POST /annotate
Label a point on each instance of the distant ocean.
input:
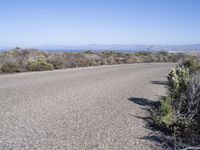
(76, 51)
(118, 48)
(69, 51)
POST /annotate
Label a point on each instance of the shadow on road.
(143, 101)
(160, 82)
(158, 135)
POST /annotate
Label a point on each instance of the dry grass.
(61, 60)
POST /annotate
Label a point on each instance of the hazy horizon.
(116, 47)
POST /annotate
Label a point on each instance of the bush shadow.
(158, 135)
(144, 102)
(160, 82)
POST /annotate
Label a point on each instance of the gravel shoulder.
(81, 108)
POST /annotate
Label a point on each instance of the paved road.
(82, 108)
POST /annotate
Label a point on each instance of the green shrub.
(9, 67)
(88, 52)
(164, 114)
(164, 53)
(39, 65)
(143, 53)
(192, 63)
(178, 80)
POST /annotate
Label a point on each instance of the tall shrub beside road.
(179, 112)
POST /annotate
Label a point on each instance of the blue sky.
(77, 22)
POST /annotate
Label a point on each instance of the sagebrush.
(179, 111)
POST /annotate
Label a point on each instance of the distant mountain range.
(118, 47)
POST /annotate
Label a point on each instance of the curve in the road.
(83, 108)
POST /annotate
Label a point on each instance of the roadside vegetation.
(22, 60)
(179, 112)
(39, 65)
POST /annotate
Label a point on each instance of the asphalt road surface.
(81, 109)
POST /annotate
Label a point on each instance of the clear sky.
(77, 22)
